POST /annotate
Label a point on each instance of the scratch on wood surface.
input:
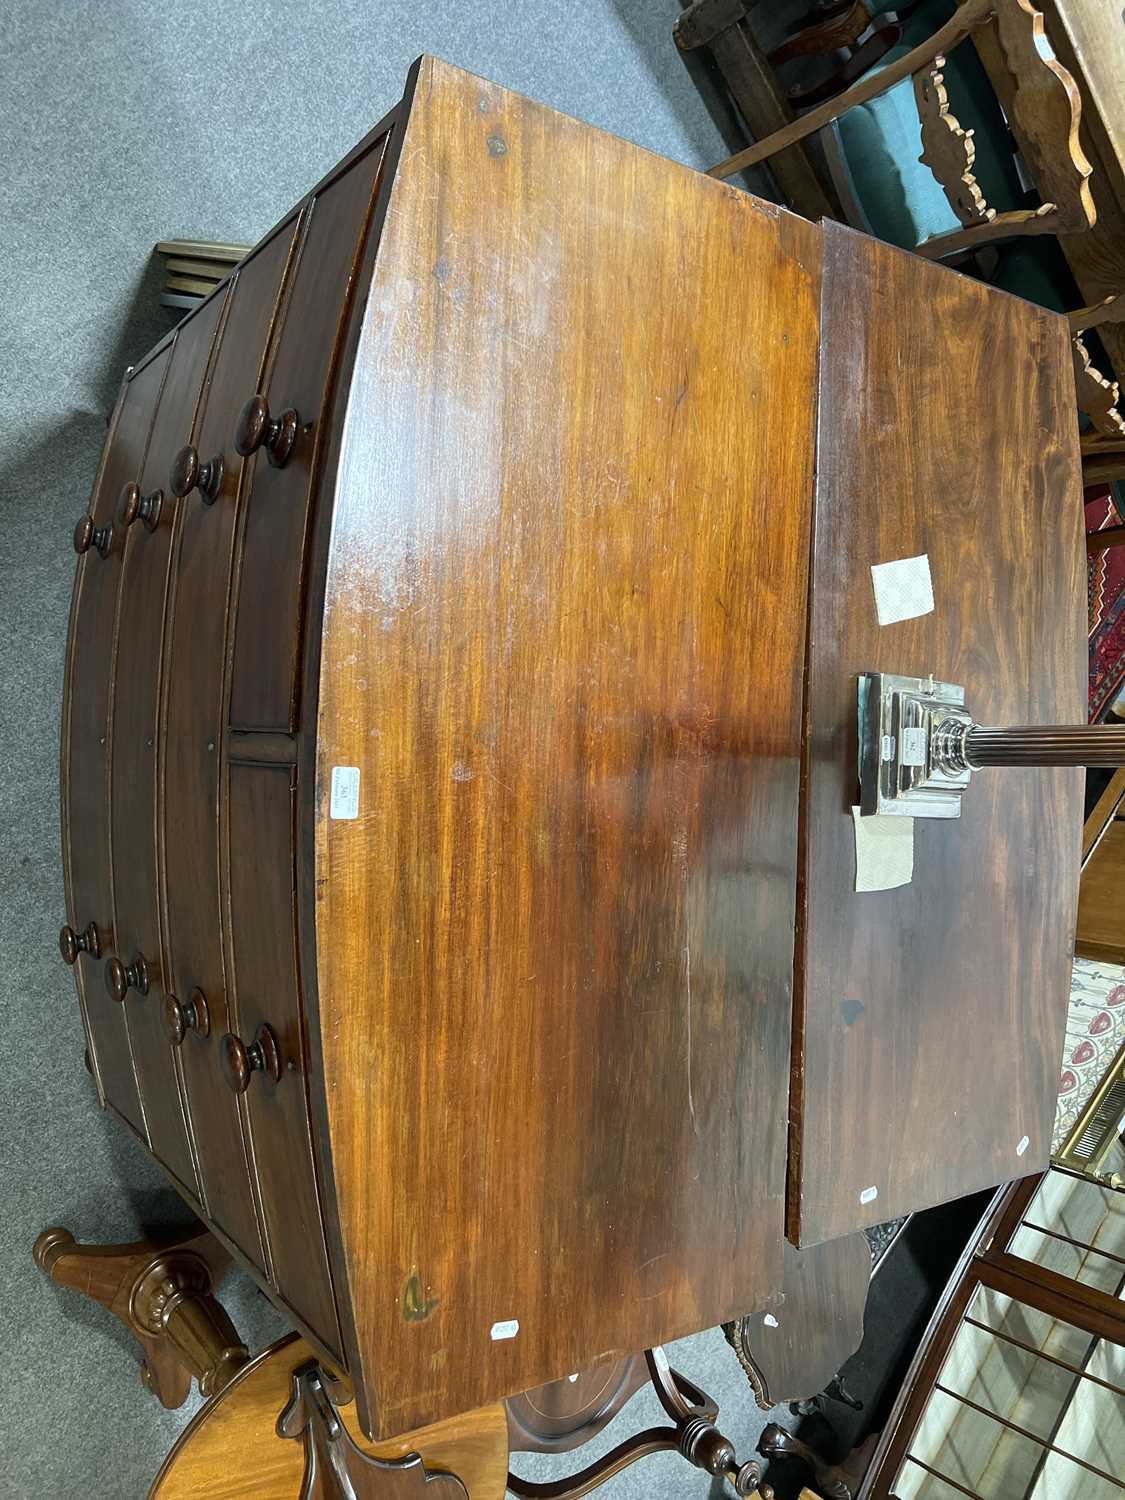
(690, 1099)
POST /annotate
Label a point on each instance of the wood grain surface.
(231, 1450)
(792, 1349)
(265, 689)
(199, 609)
(84, 761)
(132, 781)
(563, 648)
(265, 989)
(929, 1019)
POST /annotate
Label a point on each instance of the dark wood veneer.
(514, 528)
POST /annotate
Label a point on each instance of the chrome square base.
(900, 772)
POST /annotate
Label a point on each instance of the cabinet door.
(85, 811)
(265, 991)
(264, 692)
(191, 743)
(133, 737)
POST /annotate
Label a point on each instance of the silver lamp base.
(910, 731)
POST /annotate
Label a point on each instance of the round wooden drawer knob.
(72, 943)
(189, 474)
(257, 429)
(133, 506)
(87, 535)
(240, 1062)
(180, 1019)
(121, 978)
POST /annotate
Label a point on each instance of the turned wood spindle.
(72, 943)
(121, 978)
(240, 1062)
(179, 1018)
(133, 506)
(257, 429)
(189, 474)
(87, 535)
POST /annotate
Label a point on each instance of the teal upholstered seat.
(881, 143)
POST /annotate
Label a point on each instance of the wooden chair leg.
(162, 1290)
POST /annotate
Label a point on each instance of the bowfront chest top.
(444, 902)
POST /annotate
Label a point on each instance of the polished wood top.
(929, 1018)
(231, 1451)
(563, 647)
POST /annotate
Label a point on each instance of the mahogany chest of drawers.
(432, 742)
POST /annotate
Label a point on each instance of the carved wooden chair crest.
(1098, 397)
(1045, 106)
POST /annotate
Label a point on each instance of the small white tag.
(1025, 1142)
(506, 1330)
(770, 1321)
(572, 1378)
(344, 802)
(888, 747)
(869, 1195)
(914, 746)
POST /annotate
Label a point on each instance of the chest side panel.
(559, 731)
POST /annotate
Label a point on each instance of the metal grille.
(1027, 1406)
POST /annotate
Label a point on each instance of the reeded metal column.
(1045, 745)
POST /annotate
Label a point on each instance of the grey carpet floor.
(121, 123)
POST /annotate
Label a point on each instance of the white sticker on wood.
(344, 800)
(904, 589)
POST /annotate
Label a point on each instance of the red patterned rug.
(1105, 587)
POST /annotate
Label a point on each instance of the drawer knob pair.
(72, 943)
(189, 474)
(240, 1062)
(257, 429)
(87, 535)
(179, 1019)
(133, 506)
(121, 978)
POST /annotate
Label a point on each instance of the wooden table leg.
(162, 1289)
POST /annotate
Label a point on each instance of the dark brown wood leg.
(162, 1289)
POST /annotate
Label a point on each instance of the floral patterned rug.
(1095, 1031)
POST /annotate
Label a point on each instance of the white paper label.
(770, 1321)
(914, 746)
(1025, 1142)
(904, 589)
(506, 1330)
(344, 802)
(869, 1195)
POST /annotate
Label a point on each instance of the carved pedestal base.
(694, 1435)
(162, 1290)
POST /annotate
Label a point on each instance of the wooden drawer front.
(267, 642)
(85, 811)
(191, 743)
(133, 718)
(263, 927)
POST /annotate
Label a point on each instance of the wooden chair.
(1098, 396)
(1045, 106)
